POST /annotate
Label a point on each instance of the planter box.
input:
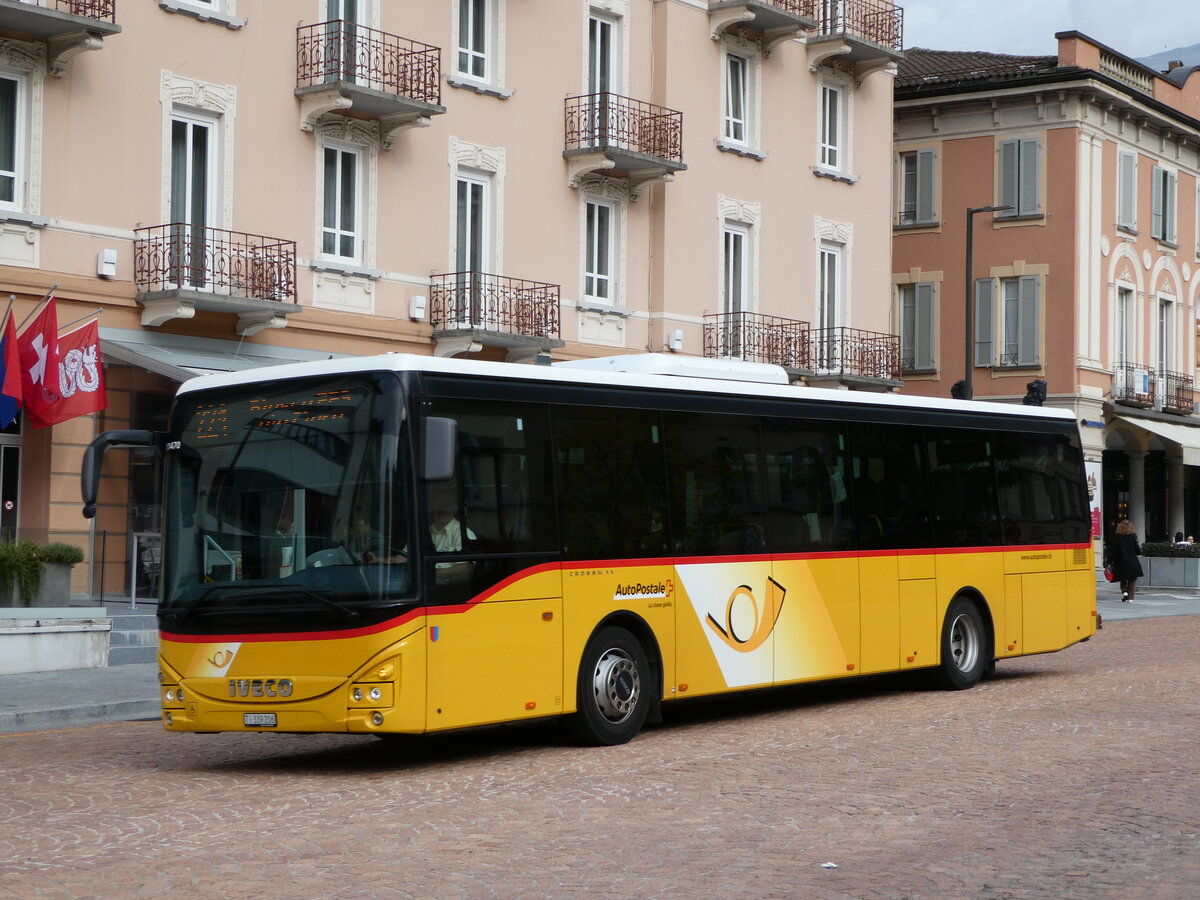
(1171, 571)
(54, 591)
(61, 639)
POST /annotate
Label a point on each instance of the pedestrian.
(1123, 557)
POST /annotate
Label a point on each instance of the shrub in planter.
(22, 564)
(1165, 548)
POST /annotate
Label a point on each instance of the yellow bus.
(403, 545)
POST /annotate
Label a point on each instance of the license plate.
(259, 720)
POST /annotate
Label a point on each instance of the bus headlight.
(172, 696)
(367, 696)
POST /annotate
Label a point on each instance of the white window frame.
(918, 200)
(736, 124)
(1164, 335)
(483, 54)
(219, 12)
(1020, 177)
(917, 326)
(1164, 205)
(1127, 171)
(482, 181)
(600, 282)
(1123, 306)
(19, 172)
(1018, 316)
(736, 293)
(340, 229)
(830, 289)
(833, 144)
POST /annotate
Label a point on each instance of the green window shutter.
(985, 303)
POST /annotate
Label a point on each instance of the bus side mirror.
(93, 458)
(440, 448)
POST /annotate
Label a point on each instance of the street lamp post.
(968, 392)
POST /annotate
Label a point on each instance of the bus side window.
(611, 471)
(891, 507)
(717, 497)
(962, 488)
(1038, 477)
(806, 485)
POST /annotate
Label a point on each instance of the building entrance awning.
(180, 357)
(1186, 436)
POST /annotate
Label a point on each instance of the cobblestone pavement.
(1072, 775)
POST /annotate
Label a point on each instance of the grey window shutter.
(925, 177)
(1027, 346)
(985, 290)
(1030, 199)
(1171, 193)
(1008, 177)
(923, 337)
(1126, 187)
(1156, 204)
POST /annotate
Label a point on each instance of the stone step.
(128, 656)
(133, 639)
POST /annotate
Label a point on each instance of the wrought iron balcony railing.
(1135, 384)
(181, 257)
(609, 121)
(754, 337)
(1178, 393)
(495, 303)
(341, 51)
(846, 351)
(877, 21)
(100, 10)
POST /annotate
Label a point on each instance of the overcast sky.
(1028, 26)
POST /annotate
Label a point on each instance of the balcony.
(1146, 388)
(850, 357)
(69, 27)
(473, 310)
(180, 268)
(623, 137)
(776, 20)
(757, 338)
(343, 67)
(866, 33)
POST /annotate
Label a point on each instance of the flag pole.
(47, 296)
(94, 312)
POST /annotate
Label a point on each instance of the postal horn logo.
(221, 658)
(748, 623)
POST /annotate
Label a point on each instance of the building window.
(832, 129)
(1020, 324)
(916, 188)
(600, 226)
(1020, 177)
(737, 98)
(340, 227)
(829, 313)
(12, 94)
(1127, 191)
(1163, 205)
(471, 224)
(735, 293)
(474, 31)
(1121, 326)
(1163, 334)
(916, 327)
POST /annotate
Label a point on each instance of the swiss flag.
(80, 376)
(37, 347)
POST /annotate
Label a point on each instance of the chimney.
(1174, 64)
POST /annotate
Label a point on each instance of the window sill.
(599, 306)
(913, 226)
(922, 372)
(479, 87)
(1126, 229)
(1027, 367)
(834, 175)
(739, 149)
(344, 268)
(1167, 245)
(1028, 217)
(204, 14)
(23, 218)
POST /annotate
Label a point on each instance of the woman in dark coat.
(1123, 557)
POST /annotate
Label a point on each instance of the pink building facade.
(524, 180)
(1087, 278)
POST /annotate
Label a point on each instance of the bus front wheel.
(964, 654)
(613, 689)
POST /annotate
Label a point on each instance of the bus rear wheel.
(964, 655)
(613, 689)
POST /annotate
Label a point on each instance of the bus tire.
(613, 689)
(964, 656)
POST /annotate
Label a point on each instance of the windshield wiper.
(193, 605)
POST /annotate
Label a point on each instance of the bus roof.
(638, 371)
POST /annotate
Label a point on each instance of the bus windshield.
(290, 507)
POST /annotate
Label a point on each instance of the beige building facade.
(240, 182)
(1079, 173)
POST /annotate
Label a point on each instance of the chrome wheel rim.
(616, 685)
(964, 643)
